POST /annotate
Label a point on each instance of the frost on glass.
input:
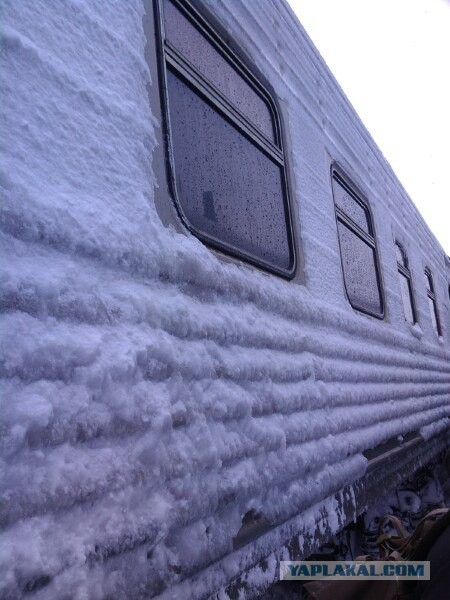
(405, 286)
(434, 321)
(351, 207)
(228, 189)
(193, 45)
(360, 272)
(400, 256)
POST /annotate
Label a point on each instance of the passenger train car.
(225, 324)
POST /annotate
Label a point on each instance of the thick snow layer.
(429, 431)
(152, 393)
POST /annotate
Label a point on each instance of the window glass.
(357, 245)
(405, 286)
(434, 320)
(351, 207)
(203, 55)
(228, 179)
(360, 273)
(400, 256)
(432, 301)
(228, 188)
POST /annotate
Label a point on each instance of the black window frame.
(201, 18)
(403, 269)
(339, 175)
(432, 296)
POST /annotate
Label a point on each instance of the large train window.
(405, 284)
(432, 301)
(358, 249)
(226, 160)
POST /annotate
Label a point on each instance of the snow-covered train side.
(177, 414)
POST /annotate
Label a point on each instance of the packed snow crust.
(152, 392)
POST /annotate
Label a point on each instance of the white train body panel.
(154, 390)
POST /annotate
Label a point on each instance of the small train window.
(358, 249)
(432, 301)
(405, 284)
(224, 143)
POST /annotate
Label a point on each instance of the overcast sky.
(392, 59)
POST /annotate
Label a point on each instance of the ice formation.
(153, 393)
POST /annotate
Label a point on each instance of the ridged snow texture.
(152, 394)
